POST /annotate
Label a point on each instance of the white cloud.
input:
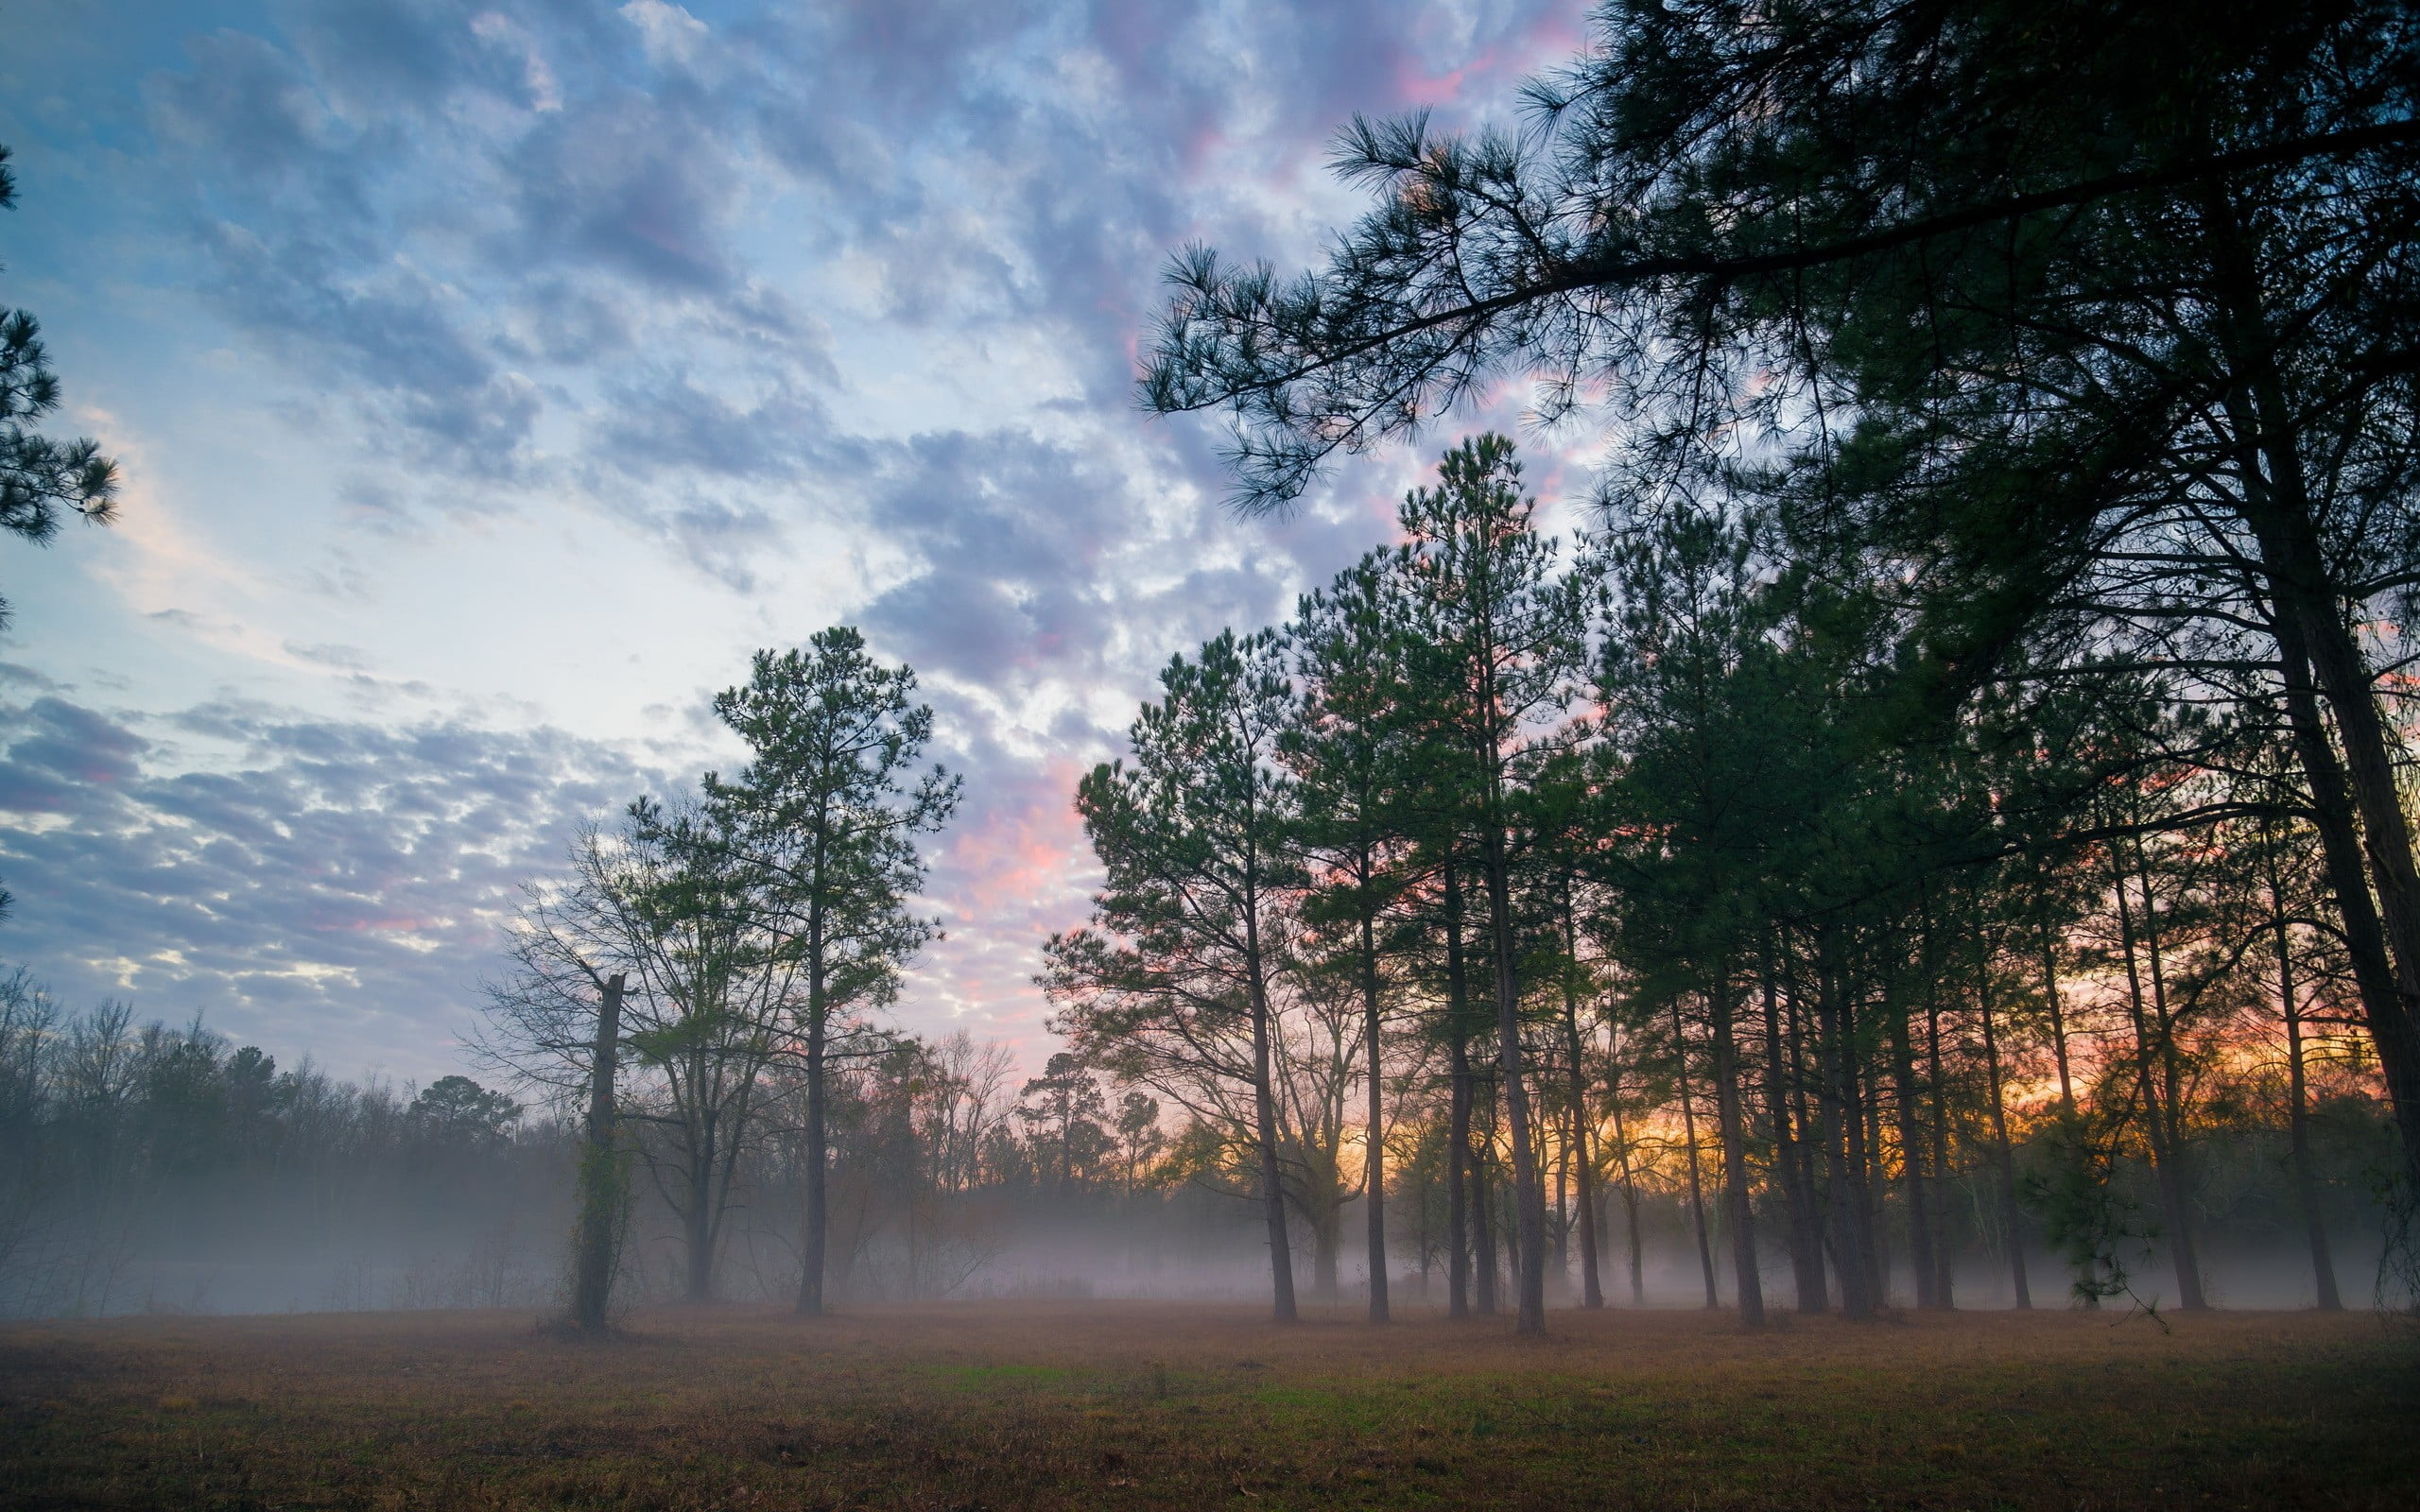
(672, 35)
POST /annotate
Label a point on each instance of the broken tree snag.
(600, 1174)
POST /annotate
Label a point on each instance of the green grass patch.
(1149, 1406)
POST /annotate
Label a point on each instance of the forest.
(1591, 885)
(1928, 831)
(1648, 941)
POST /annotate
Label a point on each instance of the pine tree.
(1175, 983)
(825, 819)
(2089, 319)
(41, 480)
(1347, 753)
(1498, 641)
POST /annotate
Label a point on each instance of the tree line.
(157, 1167)
(2003, 565)
(160, 1168)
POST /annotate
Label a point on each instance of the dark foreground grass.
(1007, 1407)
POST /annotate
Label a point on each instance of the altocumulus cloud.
(296, 882)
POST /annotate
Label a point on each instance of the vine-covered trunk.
(1272, 1183)
(597, 1236)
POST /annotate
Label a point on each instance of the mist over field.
(218, 1183)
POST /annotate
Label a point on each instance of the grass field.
(1012, 1405)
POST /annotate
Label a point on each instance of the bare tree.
(659, 903)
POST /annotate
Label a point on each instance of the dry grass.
(1165, 1406)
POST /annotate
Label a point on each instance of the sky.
(489, 380)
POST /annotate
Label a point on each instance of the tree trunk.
(1458, 1151)
(1944, 1287)
(1865, 1160)
(2180, 1154)
(1327, 1242)
(600, 1186)
(1911, 1152)
(2393, 1026)
(1529, 1191)
(1629, 1189)
(1735, 1155)
(1807, 1218)
(1373, 1165)
(1483, 1267)
(1559, 1208)
(2058, 1019)
(1690, 1136)
(1583, 1166)
(1843, 1160)
(698, 1221)
(814, 1249)
(2004, 1156)
(1272, 1185)
(2155, 1125)
(2313, 637)
(2322, 1265)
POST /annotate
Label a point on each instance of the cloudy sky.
(490, 379)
